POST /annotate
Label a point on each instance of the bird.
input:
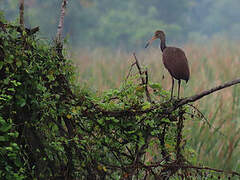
(174, 60)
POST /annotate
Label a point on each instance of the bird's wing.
(175, 61)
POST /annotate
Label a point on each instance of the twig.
(146, 75)
(139, 68)
(130, 70)
(144, 82)
(159, 163)
(60, 25)
(206, 120)
(201, 114)
(146, 88)
(21, 11)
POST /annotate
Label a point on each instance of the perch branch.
(205, 93)
(203, 168)
(60, 25)
(21, 11)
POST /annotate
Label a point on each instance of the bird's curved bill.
(150, 41)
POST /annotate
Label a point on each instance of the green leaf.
(166, 120)
(5, 127)
(4, 138)
(100, 121)
(10, 59)
(15, 83)
(11, 89)
(115, 120)
(19, 63)
(21, 102)
(155, 86)
(51, 77)
(1, 64)
(146, 105)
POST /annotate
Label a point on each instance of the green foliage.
(32, 81)
(11, 166)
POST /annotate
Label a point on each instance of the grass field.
(210, 65)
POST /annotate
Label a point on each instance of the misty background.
(129, 24)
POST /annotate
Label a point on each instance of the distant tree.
(115, 23)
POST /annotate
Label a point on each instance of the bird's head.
(157, 35)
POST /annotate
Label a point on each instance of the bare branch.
(60, 25)
(203, 168)
(21, 11)
(143, 80)
(207, 92)
(130, 70)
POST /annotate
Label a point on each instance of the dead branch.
(60, 25)
(144, 82)
(203, 168)
(205, 93)
(21, 11)
(130, 70)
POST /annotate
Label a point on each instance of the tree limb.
(202, 168)
(21, 11)
(207, 92)
(60, 25)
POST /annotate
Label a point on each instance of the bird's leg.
(179, 82)
(172, 88)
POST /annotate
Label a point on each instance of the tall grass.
(210, 65)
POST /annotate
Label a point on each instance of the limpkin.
(174, 60)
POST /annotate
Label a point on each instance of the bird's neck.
(162, 44)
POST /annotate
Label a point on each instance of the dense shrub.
(34, 93)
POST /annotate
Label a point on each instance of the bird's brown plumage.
(174, 60)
